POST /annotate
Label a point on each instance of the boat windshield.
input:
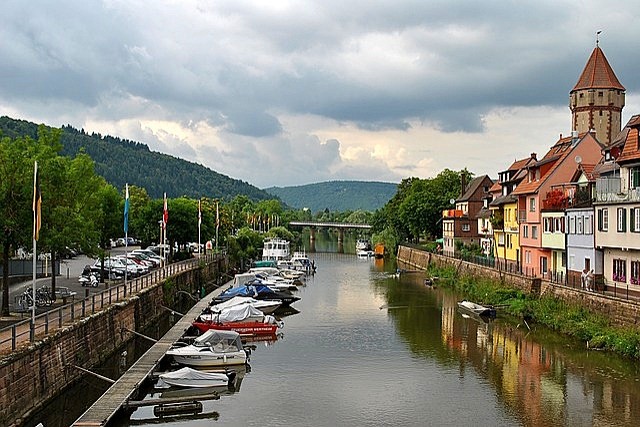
(219, 340)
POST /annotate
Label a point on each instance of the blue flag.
(126, 209)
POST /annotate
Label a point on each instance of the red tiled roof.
(519, 164)
(554, 157)
(598, 73)
(631, 150)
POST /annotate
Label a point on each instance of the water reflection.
(541, 378)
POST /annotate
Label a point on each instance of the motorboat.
(244, 319)
(476, 309)
(189, 377)
(212, 348)
(300, 261)
(265, 305)
(257, 291)
(361, 253)
(363, 245)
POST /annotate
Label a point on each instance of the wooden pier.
(105, 408)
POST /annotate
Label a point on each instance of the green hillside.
(122, 161)
(337, 195)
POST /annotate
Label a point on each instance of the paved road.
(70, 270)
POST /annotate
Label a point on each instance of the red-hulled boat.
(243, 328)
(244, 319)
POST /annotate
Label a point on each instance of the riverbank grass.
(571, 320)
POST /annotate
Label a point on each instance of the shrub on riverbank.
(572, 320)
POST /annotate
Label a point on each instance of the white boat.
(237, 313)
(363, 245)
(212, 348)
(266, 306)
(276, 249)
(477, 309)
(189, 377)
(364, 254)
(301, 262)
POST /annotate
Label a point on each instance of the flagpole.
(126, 234)
(35, 231)
(199, 226)
(217, 225)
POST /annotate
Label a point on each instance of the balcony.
(609, 190)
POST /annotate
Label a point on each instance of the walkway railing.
(24, 331)
(615, 289)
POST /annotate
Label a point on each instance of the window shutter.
(624, 219)
(599, 219)
(632, 220)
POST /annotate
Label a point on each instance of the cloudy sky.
(294, 92)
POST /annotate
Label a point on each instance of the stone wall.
(620, 312)
(31, 376)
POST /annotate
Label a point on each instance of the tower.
(597, 99)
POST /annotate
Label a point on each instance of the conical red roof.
(598, 74)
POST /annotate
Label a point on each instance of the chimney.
(463, 184)
(534, 157)
(574, 137)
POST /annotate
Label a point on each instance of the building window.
(572, 225)
(466, 227)
(635, 273)
(634, 224)
(525, 231)
(603, 219)
(620, 270)
(548, 225)
(634, 177)
(622, 220)
(588, 224)
(532, 204)
(534, 231)
(559, 225)
(579, 228)
(501, 239)
(527, 257)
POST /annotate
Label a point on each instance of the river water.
(370, 349)
(367, 348)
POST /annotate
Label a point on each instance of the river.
(369, 349)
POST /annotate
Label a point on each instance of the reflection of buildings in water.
(535, 380)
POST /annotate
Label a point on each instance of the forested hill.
(122, 161)
(337, 195)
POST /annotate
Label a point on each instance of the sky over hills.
(286, 93)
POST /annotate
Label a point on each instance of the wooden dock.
(102, 411)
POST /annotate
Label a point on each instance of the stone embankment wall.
(620, 312)
(33, 375)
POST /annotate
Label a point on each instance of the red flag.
(165, 212)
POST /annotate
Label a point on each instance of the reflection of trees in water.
(544, 378)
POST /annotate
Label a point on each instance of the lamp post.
(160, 244)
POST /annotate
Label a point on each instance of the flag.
(165, 212)
(199, 213)
(37, 203)
(126, 209)
(217, 216)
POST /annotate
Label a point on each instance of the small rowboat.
(477, 309)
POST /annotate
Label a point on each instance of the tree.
(16, 196)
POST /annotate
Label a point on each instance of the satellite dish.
(578, 159)
(452, 201)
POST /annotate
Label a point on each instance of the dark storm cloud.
(241, 66)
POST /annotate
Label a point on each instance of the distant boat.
(363, 245)
(476, 309)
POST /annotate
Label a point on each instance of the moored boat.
(257, 292)
(266, 306)
(189, 377)
(212, 348)
(476, 309)
(244, 319)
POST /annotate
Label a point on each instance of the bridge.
(340, 226)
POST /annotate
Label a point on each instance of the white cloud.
(283, 92)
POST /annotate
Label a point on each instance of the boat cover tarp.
(235, 313)
(213, 337)
(240, 300)
(187, 373)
